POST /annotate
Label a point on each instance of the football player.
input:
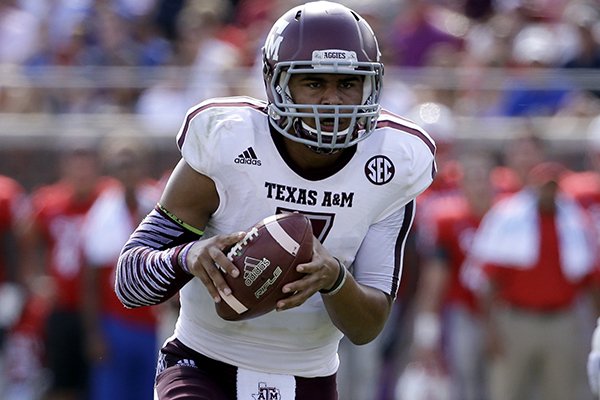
(53, 267)
(321, 145)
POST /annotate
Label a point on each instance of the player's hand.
(593, 364)
(207, 261)
(321, 273)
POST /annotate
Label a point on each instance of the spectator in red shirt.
(520, 154)
(536, 251)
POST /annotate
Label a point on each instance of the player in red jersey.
(439, 121)
(54, 232)
(121, 343)
(448, 336)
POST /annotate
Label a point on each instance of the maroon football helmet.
(323, 38)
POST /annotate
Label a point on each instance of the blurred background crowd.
(93, 92)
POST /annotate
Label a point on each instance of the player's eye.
(349, 84)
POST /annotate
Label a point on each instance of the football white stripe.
(281, 237)
(233, 302)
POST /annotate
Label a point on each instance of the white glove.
(593, 364)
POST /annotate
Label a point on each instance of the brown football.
(267, 258)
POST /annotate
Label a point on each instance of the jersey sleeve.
(378, 263)
(196, 137)
(416, 157)
(211, 125)
(421, 173)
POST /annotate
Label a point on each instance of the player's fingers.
(295, 300)
(206, 263)
(309, 267)
(226, 241)
(308, 283)
(299, 291)
(224, 263)
(214, 270)
(200, 269)
(321, 274)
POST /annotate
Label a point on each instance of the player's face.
(326, 89)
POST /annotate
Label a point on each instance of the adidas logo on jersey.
(247, 157)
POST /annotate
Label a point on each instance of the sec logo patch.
(379, 170)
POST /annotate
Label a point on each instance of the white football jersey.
(361, 214)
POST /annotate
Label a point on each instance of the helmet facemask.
(288, 117)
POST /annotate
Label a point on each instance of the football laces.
(237, 248)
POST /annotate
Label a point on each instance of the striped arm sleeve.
(148, 270)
